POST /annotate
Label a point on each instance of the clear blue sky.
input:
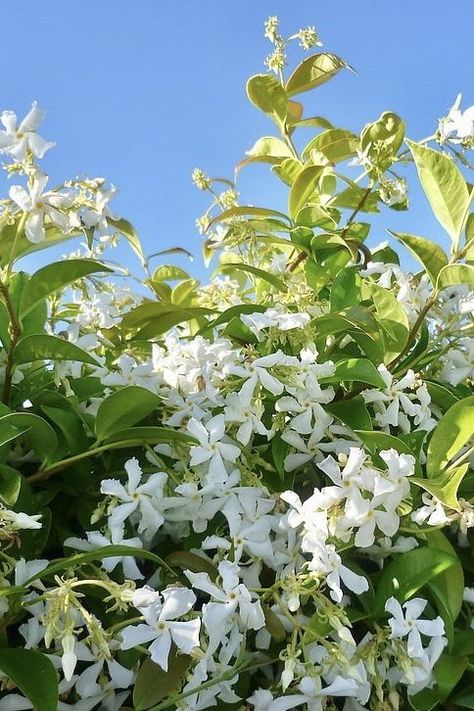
(143, 91)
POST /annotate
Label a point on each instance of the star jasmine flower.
(226, 600)
(460, 123)
(256, 371)
(405, 622)
(161, 628)
(38, 205)
(214, 447)
(17, 140)
(144, 498)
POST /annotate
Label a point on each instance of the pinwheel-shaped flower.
(161, 628)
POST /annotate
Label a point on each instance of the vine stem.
(15, 333)
(52, 469)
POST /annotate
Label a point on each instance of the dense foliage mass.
(255, 493)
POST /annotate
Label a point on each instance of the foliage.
(256, 492)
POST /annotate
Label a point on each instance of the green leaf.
(246, 211)
(425, 700)
(9, 432)
(34, 675)
(440, 395)
(190, 561)
(452, 432)
(267, 150)
(54, 277)
(314, 71)
(345, 290)
(10, 484)
(182, 292)
(406, 574)
(448, 671)
(40, 433)
(124, 408)
(445, 486)
(304, 187)
(444, 187)
(359, 370)
(448, 587)
(128, 231)
(260, 273)
(169, 272)
(273, 624)
(153, 684)
(427, 252)
(392, 318)
(336, 144)
(455, 274)
(464, 699)
(267, 94)
(232, 312)
(352, 413)
(43, 347)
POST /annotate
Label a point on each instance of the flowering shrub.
(255, 493)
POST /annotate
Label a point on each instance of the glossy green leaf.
(393, 320)
(124, 408)
(314, 71)
(54, 277)
(275, 281)
(448, 671)
(44, 347)
(452, 432)
(153, 684)
(40, 433)
(352, 413)
(427, 252)
(232, 312)
(169, 272)
(34, 675)
(444, 187)
(267, 94)
(345, 290)
(304, 187)
(336, 144)
(10, 485)
(130, 234)
(359, 370)
(444, 486)
(447, 588)
(191, 561)
(407, 574)
(454, 275)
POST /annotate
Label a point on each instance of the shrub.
(255, 492)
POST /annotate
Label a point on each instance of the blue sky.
(143, 91)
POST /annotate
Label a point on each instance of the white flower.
(311, 693)
(226, 600)
(145, 497)
(161, 628)
(457, 122)
(256, 371)
(17, 140)
(213, 447)
(432, 512)
(39, 204)
(406, 623)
